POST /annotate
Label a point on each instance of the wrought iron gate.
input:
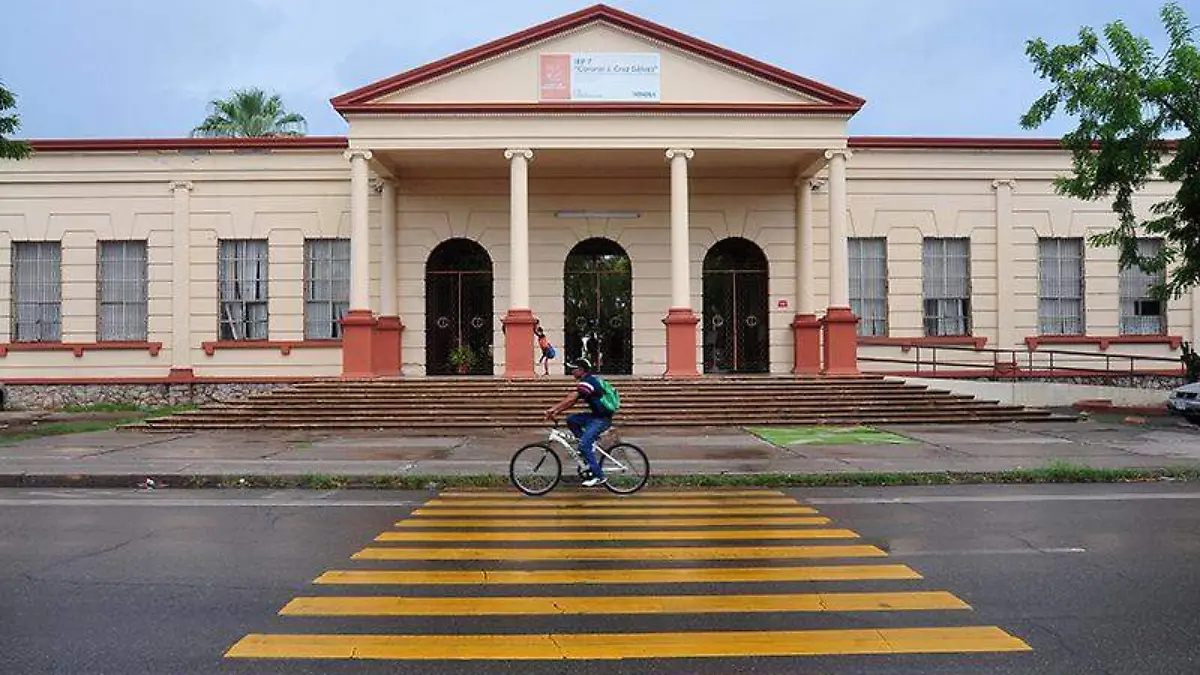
(598, 304)
(458, 310)
(736, 315)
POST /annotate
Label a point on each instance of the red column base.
(518, 344)
(181, 375)
(841, 342)
(681, 343)
(358, 332)
(388, 345)
(806, 331)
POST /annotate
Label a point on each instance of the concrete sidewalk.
(1161, 443)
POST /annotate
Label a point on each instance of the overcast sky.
(146, 68)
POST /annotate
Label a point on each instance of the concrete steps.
(425, 405)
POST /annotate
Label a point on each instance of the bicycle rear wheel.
(628, 469)
(535, 469)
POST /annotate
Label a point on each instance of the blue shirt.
(590, 391)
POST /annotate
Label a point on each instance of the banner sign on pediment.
(600, 77)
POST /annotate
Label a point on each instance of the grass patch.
(41, 429)
(101, 407)
(860, 435)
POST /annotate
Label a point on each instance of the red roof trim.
(584, 108)
(134, 144)
(591, 14)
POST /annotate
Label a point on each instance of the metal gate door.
(598, 304)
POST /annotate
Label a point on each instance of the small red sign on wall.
(555, 77)
(782, 304)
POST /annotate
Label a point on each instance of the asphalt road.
(1060, 579)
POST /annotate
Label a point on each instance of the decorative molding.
(511, 153)
(1011, 183)
(686, 153)
(176, 185)
(1103, 342)
(285, 347)
(357, 152)
(845, 153)
(79, 348)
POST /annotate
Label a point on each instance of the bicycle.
(536, 469)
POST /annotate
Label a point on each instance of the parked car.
(1185, 401)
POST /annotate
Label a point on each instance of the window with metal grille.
(1142, 313)
(1060, 286)
(37, 291)
(242, 278)
(868, 284)
(946, 264)
(326, 287)
(122, 294)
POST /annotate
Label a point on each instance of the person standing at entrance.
(548, 351)
(587, 427)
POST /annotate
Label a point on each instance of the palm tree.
(250, 112)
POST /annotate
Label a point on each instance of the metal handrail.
(1027, 360)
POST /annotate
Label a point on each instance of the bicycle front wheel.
(535, 469)
(626, 468)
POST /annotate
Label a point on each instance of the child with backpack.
(548, 351)
(603, 400)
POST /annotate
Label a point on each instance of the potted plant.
(461, 358)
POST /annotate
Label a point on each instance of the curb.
(1055, 473)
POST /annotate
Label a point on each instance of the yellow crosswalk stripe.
(651, 553)
(685, 575)
(597, 646)
(642, 494)
(609, 523)
(626, 535)
(631, 604)
(620, 509)
(614, 502)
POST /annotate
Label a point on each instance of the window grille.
(868, 284)
(122, 294)
(947, 286)
(242, 278)
(326, 287)
(1060, 286)
(1141, 313)
(37, 291)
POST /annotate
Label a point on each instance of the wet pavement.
(1160, 443)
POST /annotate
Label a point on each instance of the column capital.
(1011, 183)
(518, 152)
(843, 152)
(686, 153)
(357, 152)
(176, 185)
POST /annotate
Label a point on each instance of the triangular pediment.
(597, 59)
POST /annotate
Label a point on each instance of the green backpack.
(609, 398)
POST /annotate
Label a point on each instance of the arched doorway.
(735, 308)
(458, 309)
(598, 304)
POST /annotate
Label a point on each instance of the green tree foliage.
(250, 113)
(9, 123)
(1127, 100)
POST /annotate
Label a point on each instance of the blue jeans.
(587, 428)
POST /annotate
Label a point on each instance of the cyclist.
(587, 427)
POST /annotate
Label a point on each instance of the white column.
(681, 295)
(360, 234)
(181, 275)
(387, 272)
(839, 245)
(1005, 292)
(518, 226)
(805, 280)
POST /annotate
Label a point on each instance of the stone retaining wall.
(56, 396)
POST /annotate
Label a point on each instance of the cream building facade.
(665, 205)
